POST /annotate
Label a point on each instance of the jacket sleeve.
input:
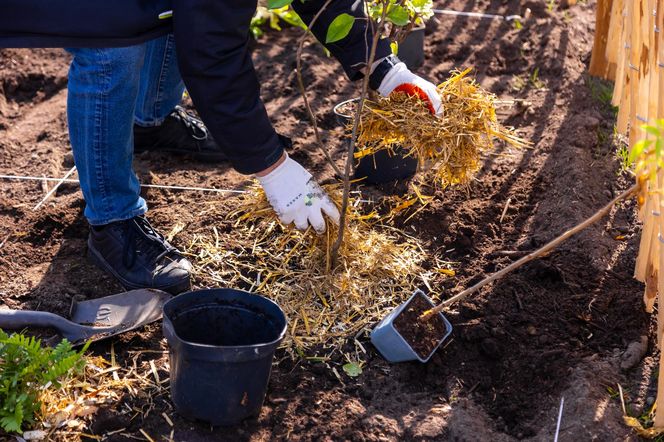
(212, 42)
(211, 39)
(353, 50)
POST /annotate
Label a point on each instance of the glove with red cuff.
(396, 77)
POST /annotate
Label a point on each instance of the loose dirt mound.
(555, 328)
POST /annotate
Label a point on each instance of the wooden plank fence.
(628, 49)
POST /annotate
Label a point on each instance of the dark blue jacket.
(81, 23)
(211, 38)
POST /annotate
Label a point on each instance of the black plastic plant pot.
(221, 345)
(411, 49)
(383, 166)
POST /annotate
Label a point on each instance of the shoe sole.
(100, 262)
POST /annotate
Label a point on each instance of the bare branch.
(351, 146)
(303, 91)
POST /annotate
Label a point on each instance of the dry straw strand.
(378, 269)
(449, 146)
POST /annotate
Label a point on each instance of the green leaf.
(339, 28)
(652, 130)
(25, 369)
(398, 15)
(352, 369)
(10, 424)
(637, 149)
(276, 4)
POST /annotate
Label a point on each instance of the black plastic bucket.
(383, 166)
(411, 49)
(221, 344)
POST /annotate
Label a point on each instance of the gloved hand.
(401, 79)
(296, 197)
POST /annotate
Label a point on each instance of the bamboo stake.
(613, 39)
(646, 108)
(536, 254)
(658, 259)
(659, 413)
(616, 47)
(636, 68)
(643, 260)
(658, 422)
(599, 65)
(659, 65)
(651, 254)
(652, 99)
(625, 85)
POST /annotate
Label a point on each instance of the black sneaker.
(138, 256)
(180, 133)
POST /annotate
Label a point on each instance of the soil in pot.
(422, 335)
(224, 325)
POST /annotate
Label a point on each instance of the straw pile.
(378, 268)
(67, 410)
(450, 146)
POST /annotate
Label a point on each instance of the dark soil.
(555, 328)
(423, 335)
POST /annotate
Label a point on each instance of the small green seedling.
(26, 369)
(353, 369)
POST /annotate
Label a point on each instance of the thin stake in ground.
(55, 188)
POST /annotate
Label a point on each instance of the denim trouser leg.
(110, 90)
(161, 85)
(103, 86)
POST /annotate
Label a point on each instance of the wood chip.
(167, 419)
(147, 436)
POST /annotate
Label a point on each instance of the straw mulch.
(67, 410)
(378, 268)
(449, 147)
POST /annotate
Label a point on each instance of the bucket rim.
(279, 338)
(337, 111)
(417, 28)
(337, 107)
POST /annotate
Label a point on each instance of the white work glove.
(401, 79)
(296, 197)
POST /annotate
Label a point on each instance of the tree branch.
(351, 146)
(303, 91)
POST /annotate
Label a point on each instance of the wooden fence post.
(599, 65)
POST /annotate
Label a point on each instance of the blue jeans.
(110, 90)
